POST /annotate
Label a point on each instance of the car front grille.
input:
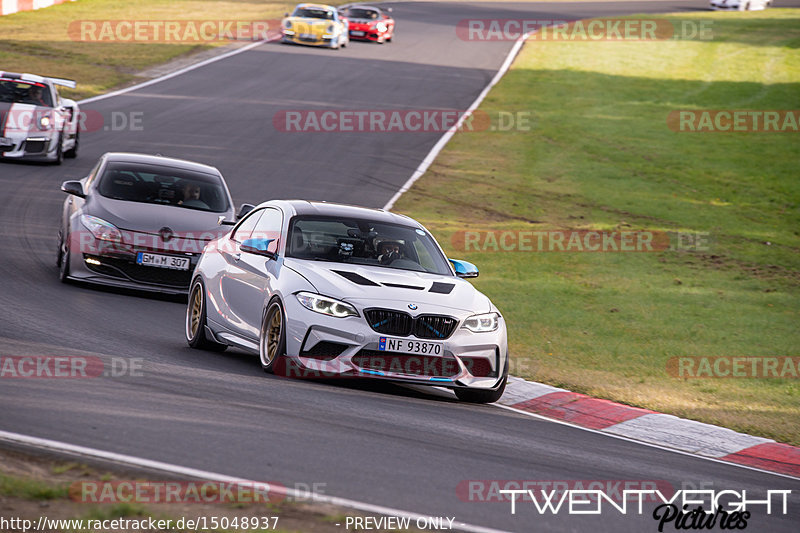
(402, 324)
(401, 363)
(125, 269)
(325, 351)
(434, 326)
(34, 147)
(389, 322)
(480, 367)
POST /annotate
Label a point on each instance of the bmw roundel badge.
(413, 307)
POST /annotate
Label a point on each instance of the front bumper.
(365, 34)
(310, 39)
(34, 147)
(116, 266)
(320, 346)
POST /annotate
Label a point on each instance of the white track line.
(53, 445)
(439, 146)
(643, 443)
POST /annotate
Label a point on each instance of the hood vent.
(400, 286)
(358, 279)
(441, 288)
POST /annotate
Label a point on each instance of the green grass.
(39, 41)
(30, 488)
(600, 156)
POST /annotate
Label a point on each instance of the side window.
(269, 227)
(245, 227)
(424, 256)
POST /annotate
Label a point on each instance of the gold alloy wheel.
(271, 338)
(274, 334)
(196, 310)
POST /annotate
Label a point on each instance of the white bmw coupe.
(328, 290)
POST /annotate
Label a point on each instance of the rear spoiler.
(61, 81)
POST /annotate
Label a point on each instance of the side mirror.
(464, 269)
(286, 14)
(243, 210)
(70, 106)
(259, 247)
(73, 187)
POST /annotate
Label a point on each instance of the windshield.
(365, 242)
(157, 184)
(357, 13)
(23, 92)
(307, 12)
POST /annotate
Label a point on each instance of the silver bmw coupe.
(328, 290)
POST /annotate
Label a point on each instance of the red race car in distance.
(369, 23)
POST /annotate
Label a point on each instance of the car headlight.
(45, 122)
(381, 26)
(287, 24)
(482, 323)
(330, 29)
(102, 230)
(325, 305)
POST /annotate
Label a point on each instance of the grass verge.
(34, 486)
(601, 156)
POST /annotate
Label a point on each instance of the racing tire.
(195, 329)
(482, 396)
(272, 337)
(59, 150)
(72, 153)
(63, 259)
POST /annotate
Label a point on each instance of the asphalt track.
(381, 444)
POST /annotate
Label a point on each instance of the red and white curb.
(659, 429)
(13, 6)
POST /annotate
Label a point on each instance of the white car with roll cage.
(36, 123)
(330, 290)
